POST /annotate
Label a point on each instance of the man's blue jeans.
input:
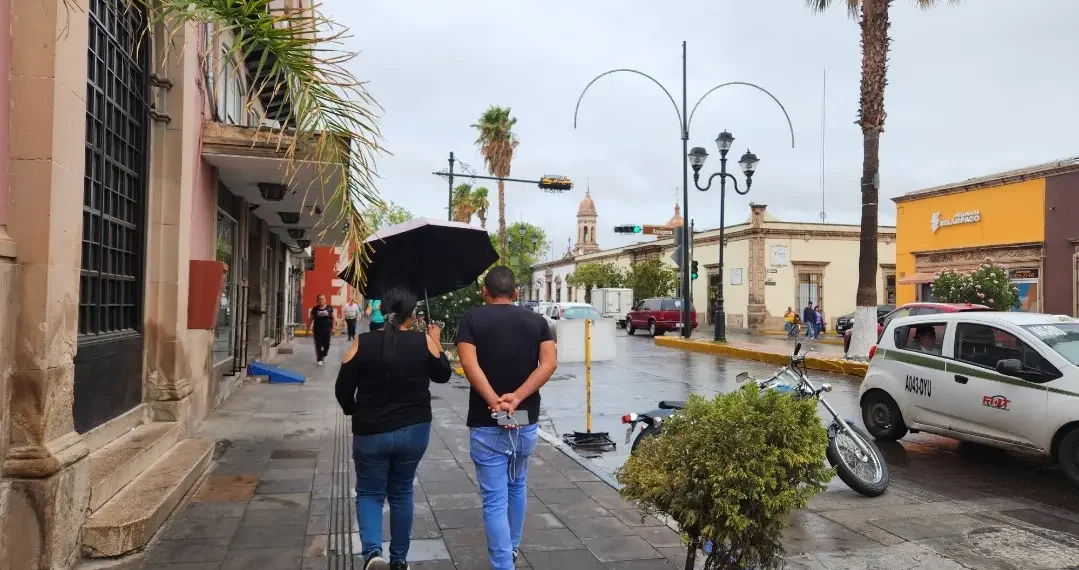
(385, 469)
(501, 458)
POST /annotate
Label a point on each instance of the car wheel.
(1068, 455)
(882, 417)
(652, 330)
(630, 329)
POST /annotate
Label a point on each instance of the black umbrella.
(425, 256)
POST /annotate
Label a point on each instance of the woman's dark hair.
(398, 305)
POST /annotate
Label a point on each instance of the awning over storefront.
(917, 278)
(252, 163)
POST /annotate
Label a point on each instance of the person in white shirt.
(351, 313)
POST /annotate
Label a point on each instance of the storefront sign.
(1024, 274)
(736, 276)
(937, 222)
(779, 256)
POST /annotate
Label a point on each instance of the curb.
(833, 365)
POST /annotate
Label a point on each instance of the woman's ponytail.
(400, 303)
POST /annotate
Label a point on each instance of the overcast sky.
(973, 89)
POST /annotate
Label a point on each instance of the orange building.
(1022, 218)
(321, 278)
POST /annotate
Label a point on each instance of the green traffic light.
(637, 229)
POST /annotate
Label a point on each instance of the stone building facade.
(770, 265)
(145, 259)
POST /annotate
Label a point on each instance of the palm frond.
(333, 126)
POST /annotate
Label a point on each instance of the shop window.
(1026, 281)
(232, 90)
(224, 332)
(889, 289)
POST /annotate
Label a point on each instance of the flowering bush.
(447, 309)
(988, 285)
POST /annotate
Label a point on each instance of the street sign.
(658, 231)
(676, 257)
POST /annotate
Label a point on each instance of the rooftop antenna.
(823, 111)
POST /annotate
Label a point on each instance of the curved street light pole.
(684, 122)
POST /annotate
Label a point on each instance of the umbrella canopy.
(428, 257)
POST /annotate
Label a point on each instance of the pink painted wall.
(204, 197)
(5, 61)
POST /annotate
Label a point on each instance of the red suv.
(658, 315)
(913, 309)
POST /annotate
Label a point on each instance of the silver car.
(572, 311)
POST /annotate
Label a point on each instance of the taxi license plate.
(629, 434)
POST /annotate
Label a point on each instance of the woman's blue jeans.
(501, 458)
(386, 466)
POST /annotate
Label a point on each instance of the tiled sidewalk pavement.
(277, 498)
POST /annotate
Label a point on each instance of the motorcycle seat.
(672, 404)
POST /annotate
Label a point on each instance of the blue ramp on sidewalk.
(277, 374)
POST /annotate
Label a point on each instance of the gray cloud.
(976, 88)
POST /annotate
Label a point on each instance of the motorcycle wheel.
(647, 432)
(869, 478)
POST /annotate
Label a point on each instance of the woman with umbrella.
(384, 385)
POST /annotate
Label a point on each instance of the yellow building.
(1019, 218)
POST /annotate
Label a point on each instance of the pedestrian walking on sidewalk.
(320, 324)
(507, 353)
(818, 320)
(384, 384)
(809, 317)
(788, 322)
(374, 310)
(351, 313)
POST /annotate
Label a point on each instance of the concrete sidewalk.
(280, 494)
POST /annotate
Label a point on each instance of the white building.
(770, 265)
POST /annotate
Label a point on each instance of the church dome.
(587, 207)
(676, 220)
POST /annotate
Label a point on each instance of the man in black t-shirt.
(507, 353)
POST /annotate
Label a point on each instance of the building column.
(174, 158)
(756, 311)
(48, 494)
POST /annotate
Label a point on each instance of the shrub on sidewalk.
(988, 285)
(730, 470)
(449, 308)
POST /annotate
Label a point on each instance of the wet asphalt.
(642, 374)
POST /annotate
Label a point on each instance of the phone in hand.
(517, 418)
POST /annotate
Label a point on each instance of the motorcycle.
(857, 460)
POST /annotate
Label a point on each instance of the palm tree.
(462, 203)
(333, 126)
(498, 143)
(468, 202)
(873, 20)
(481, 204)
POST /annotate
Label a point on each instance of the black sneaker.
(399, 566)
(376, 562)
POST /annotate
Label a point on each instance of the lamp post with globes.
(748, 163)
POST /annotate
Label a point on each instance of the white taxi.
(1009, 380)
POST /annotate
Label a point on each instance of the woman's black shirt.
(381, 397)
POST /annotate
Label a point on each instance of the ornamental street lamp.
(748, 163)
(684, 121)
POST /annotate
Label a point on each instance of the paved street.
(279, 495)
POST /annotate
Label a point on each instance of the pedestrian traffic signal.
(693, 270)
(555, 182)
(628, 229)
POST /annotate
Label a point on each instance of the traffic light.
(628, 229)
(555, 182)
(693, 269)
